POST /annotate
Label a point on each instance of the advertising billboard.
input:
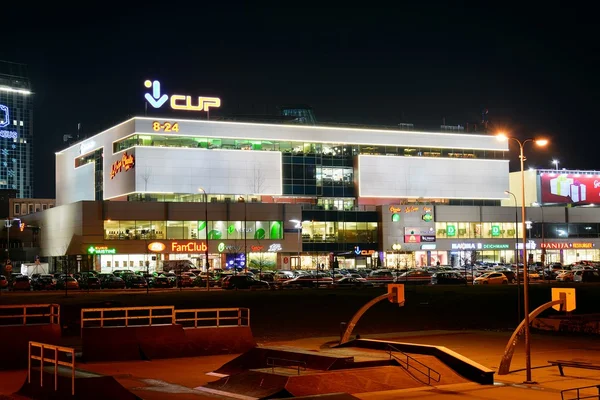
(567, 188)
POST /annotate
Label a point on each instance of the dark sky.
(534, 68)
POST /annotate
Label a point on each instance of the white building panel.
(177, 170)
(414, 177)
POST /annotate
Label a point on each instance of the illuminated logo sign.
(480, 246)
(178, 101)
(101, 250)
(428, 247)
(451, 230)
(256, 249)
(221, 247)
(427, 217)
(360, 252)
(530, 245)
(412, 238)
(275, 247)
(495, 230)
(126, 162)
(189, 247)
(156, 247)
(565, 245)
(496, 246)
(4, 122)
(396, 247)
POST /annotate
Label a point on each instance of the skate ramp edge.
(17, 338)
(462, 365)
(89, 386)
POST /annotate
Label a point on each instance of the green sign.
(395, 217)
(221, 247)
(496, 246)
(495, 230)
(101, 250)
(451, 230)
(427, 217)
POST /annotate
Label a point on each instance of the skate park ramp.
(284, 372)
(88, 385)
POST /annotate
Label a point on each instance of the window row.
(330, 231)
(477, 230)
(24, 208)
(217, 230)
(297, 148)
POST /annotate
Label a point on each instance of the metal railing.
(274, 362)
(579, 395)
(54, 360)
(24, 314)
(127, 316)
(212, 317)
(429, 373)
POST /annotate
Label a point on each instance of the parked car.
(307, 281)
(21, 282)
(350, 282)
(160, 282)
(491, 278)
(113, 282)
(184, 280)
(243, 282)
(3, 282)
(511, 276)
(121, 272)
(136, 282)
(416, 276)
(587, 276)
(90, 282)
(69, 282)
(448, 278)
(43, 282)
(565, 276)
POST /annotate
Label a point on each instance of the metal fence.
(212, 317)
(126, 316)
(68, 351)
(29, 314)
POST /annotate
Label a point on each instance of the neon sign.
(178, 101)
(4, 122)
(189, 247)
(408, 209)
(101, 250)
(165, 127)
(360, 252)
(566, 245)
(126, 162)
(156, 247)
(256, 249)
(275, 247)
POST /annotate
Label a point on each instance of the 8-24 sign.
(165, 126)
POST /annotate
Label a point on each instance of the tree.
(145, 175)
(257, 180)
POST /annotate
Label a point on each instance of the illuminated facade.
(16, 130)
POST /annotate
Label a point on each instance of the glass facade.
(334, 231)
(217, 230)
(477, 230)
(16, 130)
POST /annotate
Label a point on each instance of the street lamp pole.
(206, 229)
(555, 162)
(517, 257)
(299, 228)
(539, 142)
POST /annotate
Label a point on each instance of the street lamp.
(206, 228)
(517, 257)
(299, 228)
(555, 162)
(539, 142)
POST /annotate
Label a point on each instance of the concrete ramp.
(16, 342)
(88, 386)
(263, 357)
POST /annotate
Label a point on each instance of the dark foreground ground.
(294, 314)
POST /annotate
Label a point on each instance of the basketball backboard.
(570, 296)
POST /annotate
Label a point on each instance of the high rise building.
(16, 130)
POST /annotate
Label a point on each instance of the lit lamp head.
(501, 136)
(541, 142)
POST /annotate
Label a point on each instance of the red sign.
(412, 238)
(566, 245)
(257, 248)
(286, 260)
(570, 188)
(126, 162)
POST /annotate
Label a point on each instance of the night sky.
(534, 69)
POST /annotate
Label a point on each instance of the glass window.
(17, 209)
(174, 229)
(44, 206)
(143, 229)
(217, 230)
(201, 229)
(126, 229)
(262, 230)
(190, 229)
(111, 230)
(158, 230)
(276, 230)
(235, 230)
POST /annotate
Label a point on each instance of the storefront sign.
(451, 230)
(495, 230)
(275, 247)
(409, 209)
(419, 231)
(428, 247)
(396, 247)
(101, 250)
(466, 246)
(480, 246)
(178, 101)
(360, 252)
(221, 247)
(566, 188)
(427, 238)
(496, 246)
(257, 249)
(566, 245)
(427, 217)
(412, 238)
(126, 162)
(531, 245)
(189, 247)
(156, 247)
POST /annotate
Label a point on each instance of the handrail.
(241, 316)
(271, 362)
(594, 396)
(125, 316)
(53, 313)
(55, 361)
(428, 375)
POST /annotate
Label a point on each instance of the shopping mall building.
(151, 192)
